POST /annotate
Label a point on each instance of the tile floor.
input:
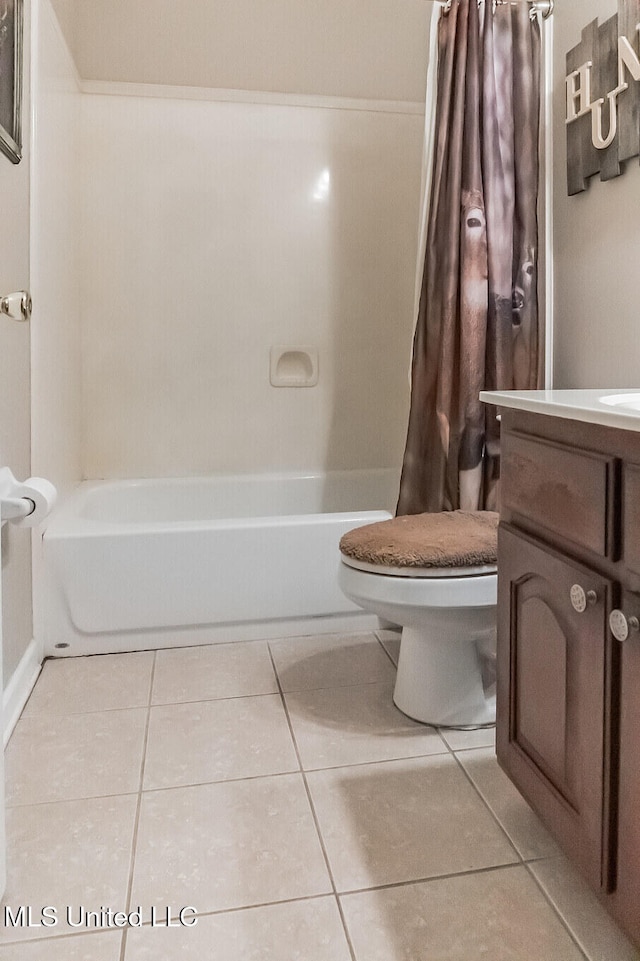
(274, 788)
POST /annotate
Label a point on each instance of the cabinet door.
(552, 711)
(626, 900)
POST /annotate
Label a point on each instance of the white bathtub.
(150, 563)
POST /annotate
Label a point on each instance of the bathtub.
(138, 564)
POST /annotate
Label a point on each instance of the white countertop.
(584, 405)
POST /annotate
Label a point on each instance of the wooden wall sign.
(603, 98)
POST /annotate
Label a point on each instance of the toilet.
(435, 575)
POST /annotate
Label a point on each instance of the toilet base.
(439, 680)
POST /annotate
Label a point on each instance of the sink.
(625, 401)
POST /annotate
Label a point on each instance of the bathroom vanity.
(568, 732)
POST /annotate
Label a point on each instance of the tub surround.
(568, 603)
(239, 227)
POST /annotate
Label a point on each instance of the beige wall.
(67, 16)
(15, 406)
(374, 49)
(55, 279)
(597, 239)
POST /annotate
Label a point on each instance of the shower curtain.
(477, 326)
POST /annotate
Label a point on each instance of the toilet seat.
(399, 571)
(381, 593)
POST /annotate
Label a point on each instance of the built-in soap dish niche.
(293, 366)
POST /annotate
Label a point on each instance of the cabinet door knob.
(621, 625)
(581, 599)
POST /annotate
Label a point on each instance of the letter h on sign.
(603, 98)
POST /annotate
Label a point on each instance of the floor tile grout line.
(312, 809)
(392, 885)
(224, 780)
(206, 700)
(384, 760)
(473, 747)
(345, 927)
(432, 878)
(446, 744)
(137, 707)
(136, 823)
(239, 697)
(239, 909)
(341, 687)
(381, 643)
(280, 690)
(213, 700)
(489, 808)
(45, 716)
(251, 777)
(49, 939)
(556, 910)
(71, 800)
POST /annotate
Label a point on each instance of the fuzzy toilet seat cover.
(444, 540)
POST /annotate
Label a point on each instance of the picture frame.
(11, 38)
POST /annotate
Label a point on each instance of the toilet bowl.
(448, 620)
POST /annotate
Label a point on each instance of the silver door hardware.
(581, 599)
(17, 306)
(621, 625)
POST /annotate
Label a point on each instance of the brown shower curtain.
(477, 325)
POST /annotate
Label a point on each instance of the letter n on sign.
(603, 98)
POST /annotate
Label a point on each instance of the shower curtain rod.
(544, 7)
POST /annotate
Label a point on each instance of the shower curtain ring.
(545, 7)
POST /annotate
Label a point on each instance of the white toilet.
(412, 571)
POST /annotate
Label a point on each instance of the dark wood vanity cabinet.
(568, 730)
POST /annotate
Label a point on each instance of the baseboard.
(19, 688)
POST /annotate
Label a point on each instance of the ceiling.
(372, 49)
